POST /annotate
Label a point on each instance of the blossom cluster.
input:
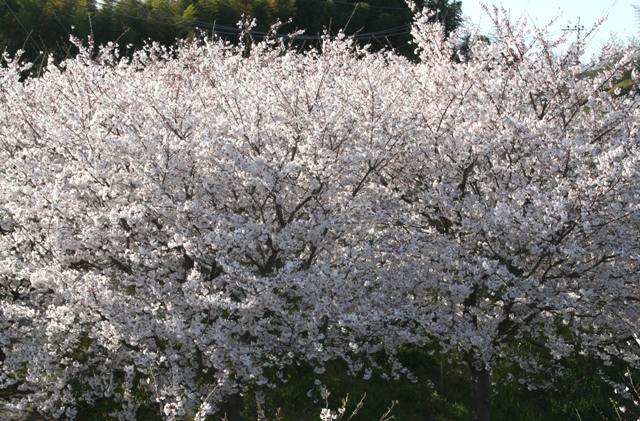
(177, 224)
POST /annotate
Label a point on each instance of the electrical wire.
(23, 27)
(374, 7)
(179, 22)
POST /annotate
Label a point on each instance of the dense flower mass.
(176, 225)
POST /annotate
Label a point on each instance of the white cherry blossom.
(173, 224)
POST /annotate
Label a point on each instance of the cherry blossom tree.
(518, 198)
(171, 224)
(178, 226)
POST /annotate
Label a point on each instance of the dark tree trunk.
(231, 407)
(480, 389)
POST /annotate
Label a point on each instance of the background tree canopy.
(45, 26)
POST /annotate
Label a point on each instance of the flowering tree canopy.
(175, 225)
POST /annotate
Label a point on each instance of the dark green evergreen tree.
(448, 12)
(46, 25)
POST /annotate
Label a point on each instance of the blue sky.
(621, 22)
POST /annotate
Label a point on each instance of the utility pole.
(576, 28)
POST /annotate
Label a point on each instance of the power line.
(23, 27)
(374, 7)
(176, 21)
